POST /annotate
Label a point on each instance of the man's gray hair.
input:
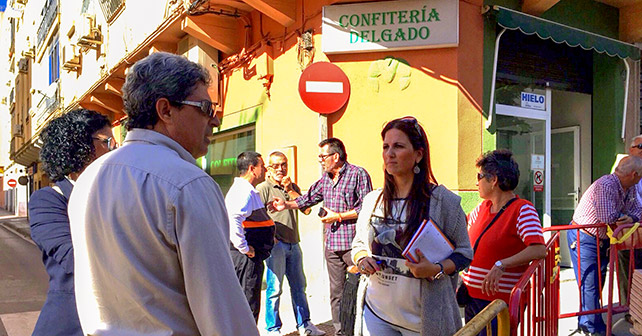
(639, 137)
(277, 153)
(159, 75)
(629, 164)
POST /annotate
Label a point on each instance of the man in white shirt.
(149, 227)
(251, 228)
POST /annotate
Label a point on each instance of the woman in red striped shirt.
(505, 231)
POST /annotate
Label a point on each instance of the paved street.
(23, 283)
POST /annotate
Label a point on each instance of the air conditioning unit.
(23, 65)
(17, 130)
(89, 36)
(70, 58)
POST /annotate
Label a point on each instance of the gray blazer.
(440, 312)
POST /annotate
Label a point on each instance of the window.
(54, 61)
(220, 161)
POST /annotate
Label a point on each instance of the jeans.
(374, 326)
(286, 259)
(590, 289)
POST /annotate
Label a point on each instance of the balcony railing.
(49, 103)
(49, 12)
(110, 7)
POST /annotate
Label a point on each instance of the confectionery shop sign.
(390, 25)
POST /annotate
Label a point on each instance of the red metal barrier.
(534, 302)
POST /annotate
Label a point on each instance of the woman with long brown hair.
(400, 297)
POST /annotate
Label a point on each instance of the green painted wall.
(588, 15)
(469, 200)
(608, 103)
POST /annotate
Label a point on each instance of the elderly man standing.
(342, 189)
(286, 258)
(251, 229)
(149, 227)
(635, 149)
(611, 199)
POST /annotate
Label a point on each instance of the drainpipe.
(626, 96)
(489, 121)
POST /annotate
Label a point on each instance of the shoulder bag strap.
(491, 223)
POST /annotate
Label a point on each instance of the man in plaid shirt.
(342, 189)
(611, 199)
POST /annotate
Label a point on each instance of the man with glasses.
(286, 258)
(149, 227)
(342, 189)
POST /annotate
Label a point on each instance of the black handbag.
(463, 298)
(348, 307)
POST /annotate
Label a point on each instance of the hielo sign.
(390, 25)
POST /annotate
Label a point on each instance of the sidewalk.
(16, 224)
(319, 303)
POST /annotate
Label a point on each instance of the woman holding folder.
(399, 297)
(505, 218)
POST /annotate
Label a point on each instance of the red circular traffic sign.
(12, 183)
(324, 87)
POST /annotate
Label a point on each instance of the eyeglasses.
(322, 157)
(482, 175)
(277, 166)
(206, 106)
(638, 146)
(110, 142)
(413, 121)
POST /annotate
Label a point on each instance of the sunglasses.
(110, 142)
(638, 146)
(206, 106)
(413, 121)
(482, 175)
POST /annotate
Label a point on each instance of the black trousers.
(337, 262)
(250, 274)
(473, 308)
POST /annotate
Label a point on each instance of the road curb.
(20, 232)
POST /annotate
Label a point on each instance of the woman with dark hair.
(505, 231)
(399, 297)
(70, 143)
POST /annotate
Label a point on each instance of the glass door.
(565, 171)
(526, 132)
(525, 137)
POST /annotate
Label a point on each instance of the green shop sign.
(390, 25)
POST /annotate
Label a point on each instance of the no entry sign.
(12, 183)
(324, 87)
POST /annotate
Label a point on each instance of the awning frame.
(633, 55)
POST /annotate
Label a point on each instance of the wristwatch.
(441, 272)
(500, 265)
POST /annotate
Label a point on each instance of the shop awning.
(559, 33)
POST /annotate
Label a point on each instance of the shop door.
(565, 173)
(526, 132)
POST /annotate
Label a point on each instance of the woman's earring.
(416, 170)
